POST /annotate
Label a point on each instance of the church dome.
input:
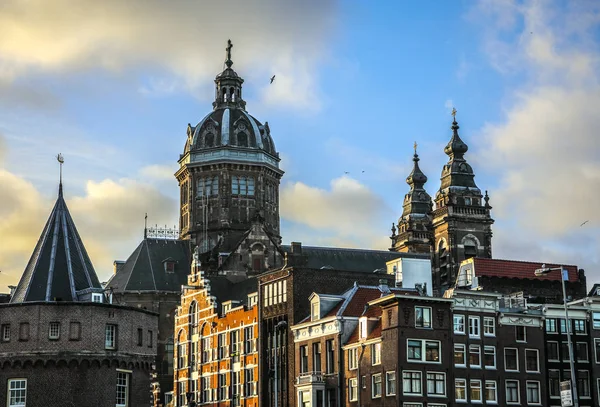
(229, 124)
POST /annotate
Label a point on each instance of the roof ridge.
(134, 263)
(151, 268)
(68, 253)
(351, 294)
(525, 261)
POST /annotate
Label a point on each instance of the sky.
(112, 86)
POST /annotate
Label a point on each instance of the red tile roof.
(519, 269)
(363, 295)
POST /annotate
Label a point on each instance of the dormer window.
(315, 310)
(226, 307)
(169, 265)
(97, 297)
(362, 329)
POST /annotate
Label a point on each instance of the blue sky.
(112, 86)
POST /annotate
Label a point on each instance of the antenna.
(146, 226)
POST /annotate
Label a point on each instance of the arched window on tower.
(209, 140)
(242, 139)
(215, 186)
(470, 247)
(250, 186)
(443, 259)
(232, 93)
(235, 185)
(193, 318)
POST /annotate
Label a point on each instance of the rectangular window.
(250, 383)
(243, 190)
(436, 384)
(474, 356)
(181, 356)
(520, 334)
(250, 186)
(17, 392)
(596, 320)
(97, 297)
(206, 350)
(411, 383)
(150, 339)
(222, 389)
(583, 383)
(579, 326)
(54, 330)
(491, 393)
(533, 393)
(330, 356)
(489, 326)
(206, 389)
(581, 352)
(532, 361)
(5, 332)
(314, 310)
(414, 350)
(563, 326)
(222, 345)
(235, 185)
(432, 351)
(376, 385)
(554, 383)
(564, 350)
(511, 362)
(110, 337)
(460, 389)
(122, 389)
(422, 317)
(316, 348)
(459, 354)
(181, 393)
(376, 354)
(352, 359)
(551, 326)
(474, 327)
(489, 357)
(512, 391)
(140, 337)
(304, 359)
(425, 351)
(459, 324)
(552, 350)
(249, 342)
(597, 349)
(390, 383)
(353, 389)
(475, 391)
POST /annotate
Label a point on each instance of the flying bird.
(346, 172)
(363, 171)
(272, 78)
(584, 223)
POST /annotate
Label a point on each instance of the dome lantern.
(228, 85)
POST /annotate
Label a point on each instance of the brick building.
(61, 342)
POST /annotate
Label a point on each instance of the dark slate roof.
(226, 290)
(144, 270)
(59, 268)
(343, 259)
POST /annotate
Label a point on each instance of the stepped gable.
(59, 268)
(147, 268)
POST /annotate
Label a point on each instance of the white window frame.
(97, 297)
(376, 354)
(460, 386)
(17, 393)
(579, 376)
(373, 387)
(427, 380)
(315, 310)
(551, 323)
(458, 321)
(485, 349)
(5, 332)
(424, 343)
(495, 387)
(474, 384)
(524, 328)
(506, 391)
(580, 322)
(353, 359)
(464, 353)
(587, 352)
(388, 375)
(478, 347)
(557, 395)
(489, 329)
(516, 357)
(557, 351)
(353, 389)
(125, 386)
(408, 393)
(474, 327)
(537, 352)
(537, 385)
(110, 337)
(54, 330)
(424, 324)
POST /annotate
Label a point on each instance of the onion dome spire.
(228, 92)
(416, 179)
(456, 148)
(417, 201)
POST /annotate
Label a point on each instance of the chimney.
(383, 286)
(117, 266)
(296, 247)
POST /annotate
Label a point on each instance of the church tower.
(229, 176)
(462, 221)
(415, 232)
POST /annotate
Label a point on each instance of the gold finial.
(228, 49)
(415, 146)
(454, 113)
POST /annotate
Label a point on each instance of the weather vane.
(61, 160)
(454, 112)
(228, 49)
(415, 145)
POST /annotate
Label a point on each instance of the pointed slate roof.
(145, 270)
(59, 268)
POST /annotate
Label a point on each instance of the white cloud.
(546, 150)
(177, 44)
(159, 172)
(348, 213)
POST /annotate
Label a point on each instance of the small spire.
(146, 226)
(61, 161)
(415, 146)
(229, 62)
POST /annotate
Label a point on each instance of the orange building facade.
(216, 354)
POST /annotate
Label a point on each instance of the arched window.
(215, 186)
(250, 186)
(242, 139)
(209, 140)
(193, 318)
(470, 247)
